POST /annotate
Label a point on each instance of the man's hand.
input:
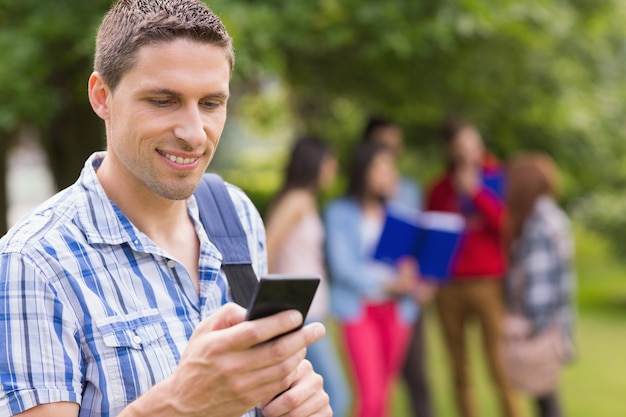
(467, 178)
(306, 397)
(229, 367)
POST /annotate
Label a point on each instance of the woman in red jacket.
(471, 186)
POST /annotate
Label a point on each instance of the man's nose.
(190, 126)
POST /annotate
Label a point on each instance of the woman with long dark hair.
(295, 241)
(372, 301)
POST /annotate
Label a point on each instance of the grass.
(594, 384)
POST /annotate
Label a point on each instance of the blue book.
(493, 179)
(431, 237)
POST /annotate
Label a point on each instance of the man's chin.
(180, 191)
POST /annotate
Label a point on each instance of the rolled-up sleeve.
(39, 363)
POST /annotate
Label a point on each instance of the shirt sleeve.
(491, 207)
(346, 264)
(41, 359)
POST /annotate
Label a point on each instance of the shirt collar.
(100, 221)
(103, 222)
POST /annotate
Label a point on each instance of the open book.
(493, 179)
(431, 237)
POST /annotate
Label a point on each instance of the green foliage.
(533, 74)
(47, 48)
(40, 42)
(536, 74)
(603, 213)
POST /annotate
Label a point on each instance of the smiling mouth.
(178, 159)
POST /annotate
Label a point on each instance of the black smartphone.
(280, 292)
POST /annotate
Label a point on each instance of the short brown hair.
(131, 24)
(451, 127)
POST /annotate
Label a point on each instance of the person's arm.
(59, 409)
(468, 183)
(228, 368)
(38, 325)
(343, 250)
(281, 220)
(491, 208)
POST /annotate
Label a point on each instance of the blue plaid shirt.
(91, 310)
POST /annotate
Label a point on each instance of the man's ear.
(99, 94)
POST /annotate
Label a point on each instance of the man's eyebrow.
(217, 96)
(172, 93)
(162, 92)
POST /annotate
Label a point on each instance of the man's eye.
(162, 102)
(211, 104)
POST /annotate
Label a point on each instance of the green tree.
(4, 148)
(531, 74)
(46, 50)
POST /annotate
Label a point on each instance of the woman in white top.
(295, 245)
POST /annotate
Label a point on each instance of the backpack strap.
(221, 222)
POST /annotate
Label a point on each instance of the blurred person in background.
(409, 194)
(474, 290)
(388, 133)
(541, 278)
(295, 245)
(373, 301)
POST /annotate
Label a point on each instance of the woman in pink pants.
(373, 302)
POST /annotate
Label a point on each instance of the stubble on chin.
(181, 191)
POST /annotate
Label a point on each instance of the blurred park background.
(532, 74)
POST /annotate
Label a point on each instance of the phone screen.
(276, 293)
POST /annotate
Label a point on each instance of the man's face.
(467, 148)
(166, 116)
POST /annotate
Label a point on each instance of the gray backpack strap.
(221, 222)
